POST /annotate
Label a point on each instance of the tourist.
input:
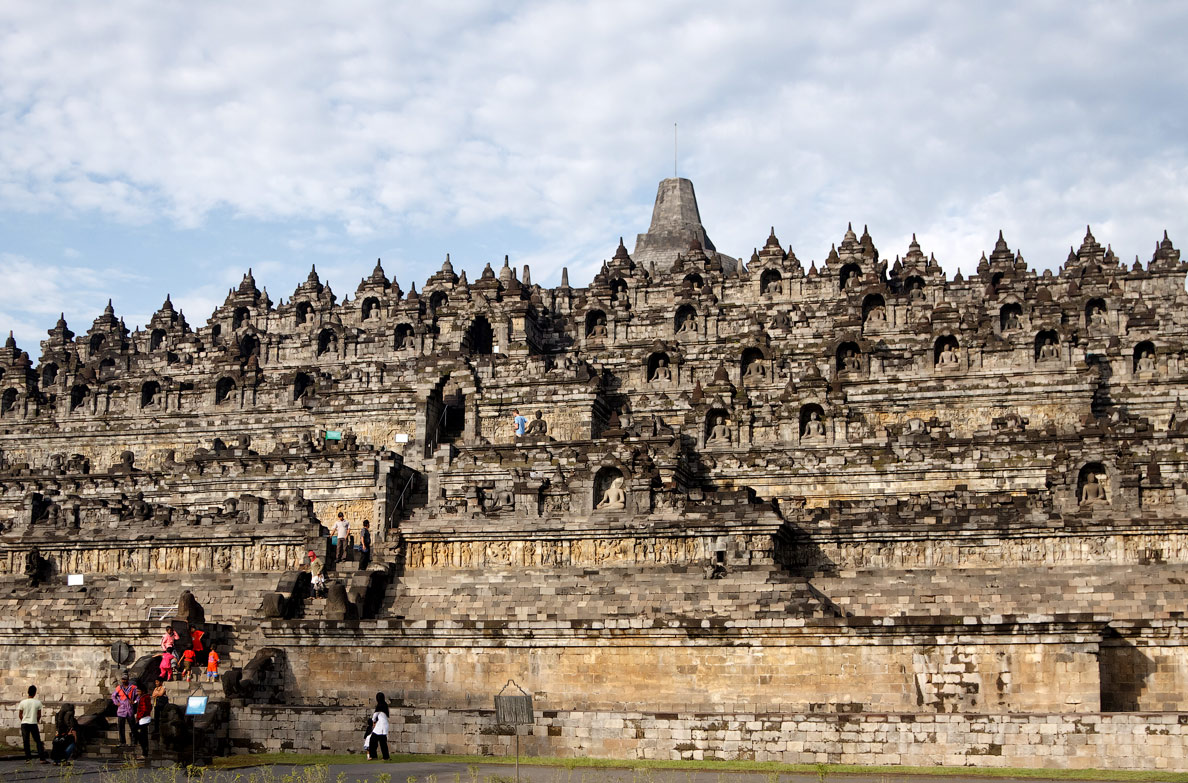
(520, 423)
(168, 639)
(196, 639)
(160, 702)
(342, 529)
(125, 698)
(65, 743)
(317, 570)
(379, 727)
(365, 545)
(187, 665)
(30, 710)
(212, 666)
(166, 667)
(144, 713)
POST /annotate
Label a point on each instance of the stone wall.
(1148, 741)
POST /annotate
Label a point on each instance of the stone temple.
(859, 512)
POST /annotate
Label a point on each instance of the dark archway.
(302, 312)
(692, 280)
(848, 357)
(659, 367)
(107, 369)
(812, 421)
(1047, 345)
(945, 351)
(874, 309)
(1010, 317)
(241, 317)
(603, 480)
(303, 386)
(156, 339)
(480, 338)
(327, 341)
(768, 278)
(223, 389)
(596, 324)
(78, 396)
(752, 366)
(49, 375)
(149, 393)
(1144, 357)
(438, 300)
(370, 307)
(914, 287)
(404, 337)
(97, 341)
(8, 400)
(685, 320)
(849, 277)
(250, 344)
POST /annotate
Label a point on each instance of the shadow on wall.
(1123, 670)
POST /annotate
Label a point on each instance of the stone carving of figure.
(851, 362)
(814, 427)
(34, 566)
(599, 328)
(916, 291)
(537, 426)
(1097, 318)
(948, 357)
(1093, 493)
(775, 288)
(614, 497)
(504, 499)
(689, 325)
(1146, 362)
(1049, 350)
(1012, 320)
(662, 373)
(781, 321)
(719, 433)
(756, 372)
(141, 510)
(877, 315)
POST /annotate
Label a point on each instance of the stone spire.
(676, 224)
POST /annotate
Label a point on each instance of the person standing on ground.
(317, 570)
(342, 529)
(30, 710)
(160, 702)
(365, 538)
(379, 727)
(125, 698)
(144, 716)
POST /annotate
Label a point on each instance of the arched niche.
(692, 280)
(849, 277)
(771, 282)
(438, 300)
(946, 352)
(812, 422)
(848, 357)
(596, 328)
(717, 428)
(327, 341)
(1143, 358)
(97, 341)
(618, 287)
(49, 375)
(370, 308)
(302, 312)
(107, 369)
(610, 490)
(659, 368)
(303, 386)
(685, 320)
(216, 331)
(1010, 317)
(1047, 346)
(223, 390)
(249, 344)
(78, 395)
(1096, 312)
(156, 339)
(404, 337)
(150, 392)
(753, 366)
(1093, 485)
(874, 309)
(914, 287)
(480, 338)
(8, 400)
(241, 317)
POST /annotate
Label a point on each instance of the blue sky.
(152, 148)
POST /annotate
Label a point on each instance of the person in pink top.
(167, 665)
(168, 639)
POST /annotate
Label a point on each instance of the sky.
(150, 148)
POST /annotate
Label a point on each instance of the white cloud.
(386, 120)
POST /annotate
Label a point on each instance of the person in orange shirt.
(212, 665)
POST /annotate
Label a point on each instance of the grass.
(770, 768)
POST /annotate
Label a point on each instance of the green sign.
(333, 435)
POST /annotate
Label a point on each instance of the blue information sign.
(196, 705)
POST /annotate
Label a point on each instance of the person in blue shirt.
(521, 423)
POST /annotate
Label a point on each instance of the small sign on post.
(515, 710)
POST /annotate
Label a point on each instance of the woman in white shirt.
(379, 727)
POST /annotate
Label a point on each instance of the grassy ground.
(769, 768)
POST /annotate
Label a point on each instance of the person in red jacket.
(144, 716)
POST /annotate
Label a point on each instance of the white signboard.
(74, 579)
